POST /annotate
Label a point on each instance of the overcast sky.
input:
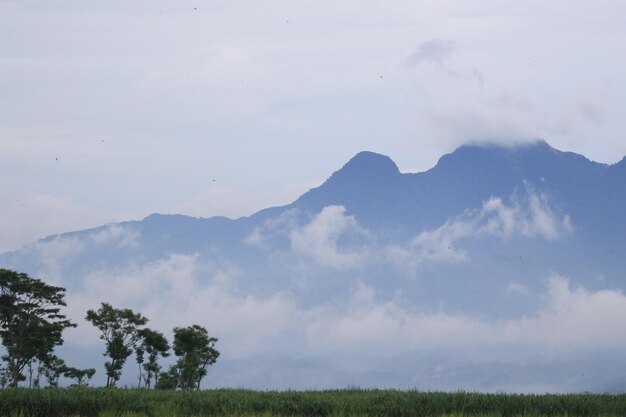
(113, 110)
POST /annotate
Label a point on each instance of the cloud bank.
(358, 318)
(528, 215)
(182, 289)
(319, 239)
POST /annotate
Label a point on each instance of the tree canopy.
(154, 344)
(31, 322)
(195, 350)
(118, 328)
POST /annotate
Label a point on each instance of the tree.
(82, 376)
(167, 380)
(56, 367)
(154, 344)
(118, 329)
(5, 376)
(53, 369)
(31, 323)
(196, 351)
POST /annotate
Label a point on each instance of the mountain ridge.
(489, 239)
(373, 169)
(395, 208)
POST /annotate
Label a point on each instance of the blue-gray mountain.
(478, 235)
(582, 203)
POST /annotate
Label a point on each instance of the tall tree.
(31, 322)
(196, 351)
(154, 344)
(118, 328)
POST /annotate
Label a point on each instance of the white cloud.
(571, 320)
(47, 259)
(54, 254)
(438, 245)
(502, 120)
(334, 239)
(362, 296)
(528, 215)
(123, 237)
(574, 318)
(273, 228)
(180, 290)
(531, 218)
(320, 238)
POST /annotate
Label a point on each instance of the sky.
(113, 111)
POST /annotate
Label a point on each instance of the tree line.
(32, 324)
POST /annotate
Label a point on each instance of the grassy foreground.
(102, 402)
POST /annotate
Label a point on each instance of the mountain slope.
(397, 207)
(507, 250)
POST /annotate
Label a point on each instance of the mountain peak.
(537, 146)
(497, 156)
(366, 180)
(369, 164)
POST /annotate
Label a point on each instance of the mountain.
(485, 251)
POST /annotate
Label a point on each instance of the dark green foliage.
(53, 368)
(31, 323)
(195, 351)
(5, 377)
(81, 376)
(90, 402)
(154, 344)
(168, 380)
(84, 402)
(118, 328)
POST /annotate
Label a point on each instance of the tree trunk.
(15, 374)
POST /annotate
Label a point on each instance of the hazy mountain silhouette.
(477, 235)
(395, 207)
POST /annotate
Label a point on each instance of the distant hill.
(394, 208)
(477, 235)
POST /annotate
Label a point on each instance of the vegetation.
(122, 333)
(55, 367)
(92, 402)
(31, 326)
(195, 351)
(31, 323)
(118, 328)
(154, 344)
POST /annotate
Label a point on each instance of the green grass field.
(102, 402)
